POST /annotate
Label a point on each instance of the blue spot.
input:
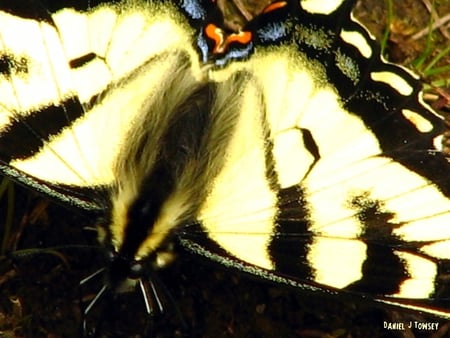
(194, 9)
(203, 46)
(237, 54)
(272, 32)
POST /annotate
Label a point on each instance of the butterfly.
(268, 137)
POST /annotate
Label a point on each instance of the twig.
(438, 23)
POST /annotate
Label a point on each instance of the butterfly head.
(121, 268)
(121, 275)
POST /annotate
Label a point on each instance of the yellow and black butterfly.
(267, 136)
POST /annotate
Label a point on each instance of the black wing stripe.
(30, 133)
(288, 247)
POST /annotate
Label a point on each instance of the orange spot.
(241, 37)
(215, 34)
(220, 43)
(274, 6)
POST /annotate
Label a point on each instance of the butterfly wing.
(61, 127)
(336, 181)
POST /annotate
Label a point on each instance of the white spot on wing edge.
(438, 142)
(320, 7)
(357, 40)
(421, 123)
(336, 262)
(393, 80)
(422, 276)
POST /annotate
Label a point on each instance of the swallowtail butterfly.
(269, 137)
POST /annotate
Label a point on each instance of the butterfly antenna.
(91, 276)
(88, 308)
(151, 298)
(152, 290)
